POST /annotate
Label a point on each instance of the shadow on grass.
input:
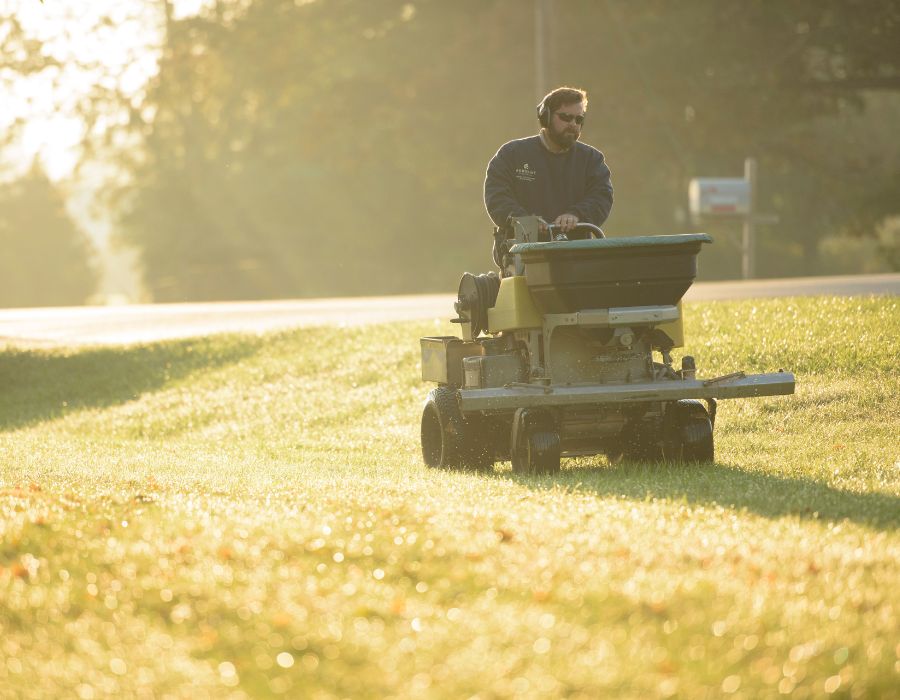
(719, 484)
(37, 386)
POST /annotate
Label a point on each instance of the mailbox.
(723, 196)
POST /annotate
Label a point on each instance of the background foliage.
(338, 146)
(46, 259)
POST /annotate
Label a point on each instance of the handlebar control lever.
(587, 231)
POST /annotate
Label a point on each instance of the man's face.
(565, 133)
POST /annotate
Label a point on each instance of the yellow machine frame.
(515, 310)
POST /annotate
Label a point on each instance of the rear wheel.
(449, 441)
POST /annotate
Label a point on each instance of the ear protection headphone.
(543, 114)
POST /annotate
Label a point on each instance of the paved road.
(849, 285)
(90, 325)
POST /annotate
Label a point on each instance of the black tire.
(534, 444)
(448, 440)
(543, 452)
(518, 447)
(688, 432)
(639, 442)
(478, 447)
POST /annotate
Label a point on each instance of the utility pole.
(167, 10)
(544, 49)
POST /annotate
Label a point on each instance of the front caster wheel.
(534, 443)
(688, 432)
(638, 442)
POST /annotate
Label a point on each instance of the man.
(551, 175)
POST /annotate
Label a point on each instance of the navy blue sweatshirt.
(524, 178)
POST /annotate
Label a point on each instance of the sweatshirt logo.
(526, 173)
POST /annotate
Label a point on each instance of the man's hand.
(566, 222)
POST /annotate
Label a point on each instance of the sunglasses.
(568, 118)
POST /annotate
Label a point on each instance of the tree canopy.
(318, 147)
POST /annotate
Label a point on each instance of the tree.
(46, 259)
(692, 89)
(339, 147)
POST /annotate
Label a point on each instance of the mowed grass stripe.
(250, 516)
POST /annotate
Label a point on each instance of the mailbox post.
(731, 198)
(748, 240)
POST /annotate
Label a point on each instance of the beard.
(564, 138)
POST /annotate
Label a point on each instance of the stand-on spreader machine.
(557, 357)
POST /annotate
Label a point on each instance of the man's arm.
(499, 199)
(594, 208)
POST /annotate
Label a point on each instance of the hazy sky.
(125, 51)
(120, 37)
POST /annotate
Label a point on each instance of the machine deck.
(531, 395)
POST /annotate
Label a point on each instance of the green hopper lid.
(621, 242)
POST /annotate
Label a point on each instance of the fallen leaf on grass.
(539, 595)
(282, 619)
(504, 535)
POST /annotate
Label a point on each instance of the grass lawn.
(250, 516)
